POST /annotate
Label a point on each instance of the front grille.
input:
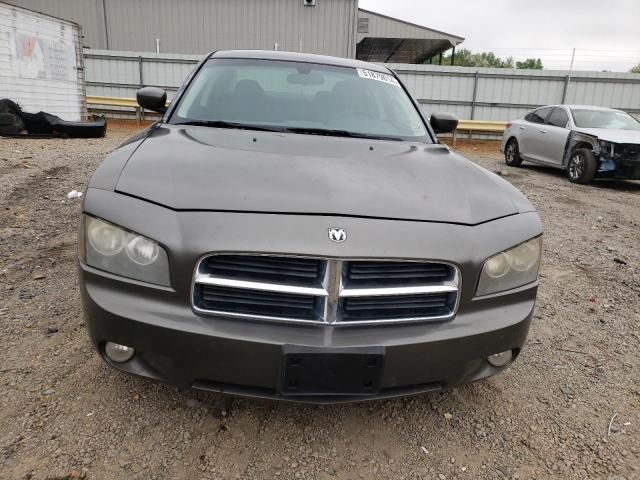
(372, 273)
(326, 291)
(270, 269)
(255, 302)
(396, 307)
(629, 151)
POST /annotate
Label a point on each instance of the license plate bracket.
(331, 371)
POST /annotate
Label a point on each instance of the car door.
(530, 134)
(554, 136)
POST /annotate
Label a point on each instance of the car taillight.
(509, 125)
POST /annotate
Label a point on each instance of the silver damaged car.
(586, 142)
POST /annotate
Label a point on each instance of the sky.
(605, 33)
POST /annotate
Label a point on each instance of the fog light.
(118, 353)
(500, 359)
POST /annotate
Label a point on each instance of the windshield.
(608, 119)
(302, 98)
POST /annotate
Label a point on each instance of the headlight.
(512, 268)
(116, 250)
(607, 149)
(142, 250)
(106, 239)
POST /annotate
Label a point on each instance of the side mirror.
(443, 122)
(152, 98)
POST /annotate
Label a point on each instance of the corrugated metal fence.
(119, 74)
(470, 93)
(502, 95)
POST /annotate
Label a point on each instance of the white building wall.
(41, 63)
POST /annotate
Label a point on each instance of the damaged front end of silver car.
(614, 160)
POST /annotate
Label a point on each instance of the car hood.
(200, 168)
(615, 136)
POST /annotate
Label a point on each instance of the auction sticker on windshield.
(381, 77)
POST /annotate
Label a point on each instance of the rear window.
(301, 95)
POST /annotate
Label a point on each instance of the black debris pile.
(16, 123)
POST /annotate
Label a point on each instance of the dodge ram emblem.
(337, 235)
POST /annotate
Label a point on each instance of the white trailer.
(41, 65)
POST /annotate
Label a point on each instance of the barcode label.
(380, 77)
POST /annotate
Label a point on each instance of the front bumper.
(620, 168)
(176, 346)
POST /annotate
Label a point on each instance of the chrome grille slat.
(398, 274)
(325, 291)
(267, 287)
(381, 292)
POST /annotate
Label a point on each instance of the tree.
(530, 64)
(465, 58)
(635, 69)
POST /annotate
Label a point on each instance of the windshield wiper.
(225, 124)
(302, 130)
(337, 133)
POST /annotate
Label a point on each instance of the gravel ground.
(64, 414)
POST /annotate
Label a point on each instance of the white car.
(587, 142)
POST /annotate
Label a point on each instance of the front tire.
(512, 153)
(582, 166)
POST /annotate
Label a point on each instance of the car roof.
(582, 107)
(298, 57)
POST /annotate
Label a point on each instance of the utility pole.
(568, 78)
(573, 57)
(106, 25)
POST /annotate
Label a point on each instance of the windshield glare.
(604, 119)
(301, 96)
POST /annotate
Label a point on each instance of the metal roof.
(385, 39)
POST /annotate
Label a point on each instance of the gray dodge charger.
(293, 229)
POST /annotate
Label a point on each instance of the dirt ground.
(568, 408)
